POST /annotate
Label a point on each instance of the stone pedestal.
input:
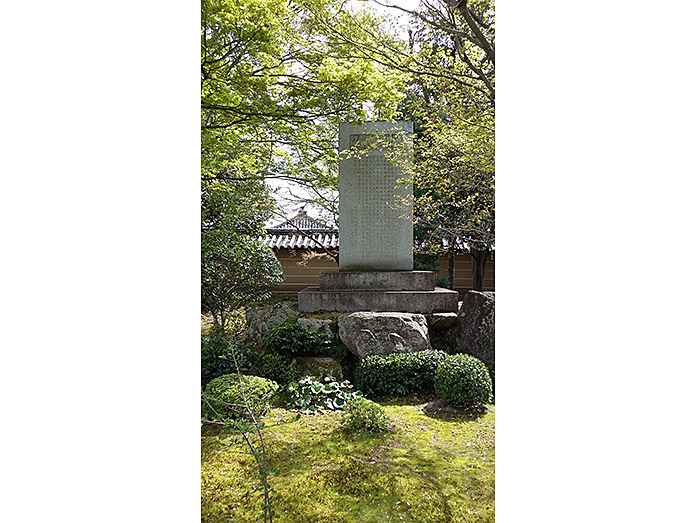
(380, 291)
(375, 230)
(377, 281)
(423, 302)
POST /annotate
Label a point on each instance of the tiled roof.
(301, 221)
(288, 239)
(294, 240)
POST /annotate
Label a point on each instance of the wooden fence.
(301, 272)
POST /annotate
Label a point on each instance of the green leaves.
(224, 397)
(365, 416)
(275, 82)
(293, 339)
(310, 395)
(398, 374)
(464, 381)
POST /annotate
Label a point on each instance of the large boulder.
(475, 332)
(262, 318)
(366, 333)
(319, 366)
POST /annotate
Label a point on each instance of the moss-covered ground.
(428, 468)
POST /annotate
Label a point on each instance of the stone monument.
(375, 230)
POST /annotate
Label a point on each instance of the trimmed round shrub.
(223, 397)
(398, 374)
(464, 381)
(275, 367)
(363, 415)
(217, 357)
(291, 338)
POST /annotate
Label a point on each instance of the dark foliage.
(293, 339)
(217, 352)
(398, 374)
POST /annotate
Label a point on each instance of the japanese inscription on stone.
(374, 209)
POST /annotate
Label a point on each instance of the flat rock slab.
(366, 333)
(424, 302)
(441, 406)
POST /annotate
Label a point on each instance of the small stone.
(441, 321)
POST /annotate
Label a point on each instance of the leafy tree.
(275, 85)
(236, 269)
(451, 41)
(454, 180)
(451, 99)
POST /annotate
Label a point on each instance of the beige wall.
(305, 273)
(300, 273)
(463, 272)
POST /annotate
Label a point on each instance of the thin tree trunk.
(478, 265)
(451, 264)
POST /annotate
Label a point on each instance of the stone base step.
(424, 302)
(377, 281)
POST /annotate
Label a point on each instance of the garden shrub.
(311, 394)
(338, 352)
(493, 382)
(464, 381)
(443, 281)
(398, 374)
(275, 367)
(363, 415)
(217, 357)
(258, 392)
(294, 339)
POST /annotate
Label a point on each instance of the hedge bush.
(363, 415)
(258, 392)
(217, 357)
(291, 338)
(464, 381)
(398, 374)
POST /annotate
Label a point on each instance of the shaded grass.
(426, 469)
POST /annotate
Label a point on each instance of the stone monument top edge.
(367, 127)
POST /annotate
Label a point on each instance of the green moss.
(425, 469)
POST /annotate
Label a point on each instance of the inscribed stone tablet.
(375, 211)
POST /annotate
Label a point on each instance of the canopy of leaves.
(275, 84)
(451, 100)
